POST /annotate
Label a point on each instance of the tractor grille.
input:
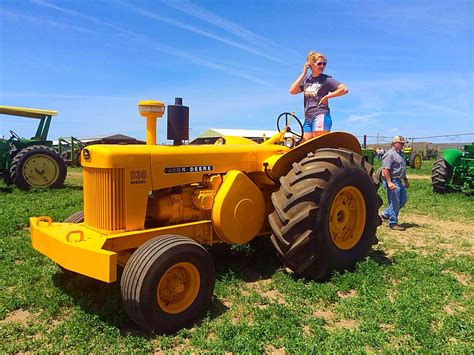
(104, 198)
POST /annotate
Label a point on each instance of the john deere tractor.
(154, 211)
(454, 171)
(31, 162)
(412, 159)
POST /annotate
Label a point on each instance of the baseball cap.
(399, 139)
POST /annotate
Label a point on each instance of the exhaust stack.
(178, 122)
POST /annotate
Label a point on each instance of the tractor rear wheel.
(377, 178)
(440, 176)
(38, 166)
(168, 283)
(416, 161)
(326, 213)
(77, 217)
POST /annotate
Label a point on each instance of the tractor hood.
(177, 165)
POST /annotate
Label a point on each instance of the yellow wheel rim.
(417, 161)
(178, 288)
(347, 217)
(40, 170)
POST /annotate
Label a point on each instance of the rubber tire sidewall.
(77, 217)
(154, 316)
(20, 180)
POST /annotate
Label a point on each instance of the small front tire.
(168, 283)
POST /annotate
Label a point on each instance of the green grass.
(423, 201)
(413, 293)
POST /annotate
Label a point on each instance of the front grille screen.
(104, 198)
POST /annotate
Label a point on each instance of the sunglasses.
(321, 64)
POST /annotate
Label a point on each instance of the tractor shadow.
(251, 262)
(6, 189)
(104, 301)
(380, 257)
(254, 261)
(73, 187)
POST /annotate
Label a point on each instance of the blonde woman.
(318, 88)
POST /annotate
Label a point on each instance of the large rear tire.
(326, 213)
(38, 166)
(440, 176)
(168, 283)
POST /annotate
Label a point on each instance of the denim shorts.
(320, 122)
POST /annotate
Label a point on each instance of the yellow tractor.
(155, 210)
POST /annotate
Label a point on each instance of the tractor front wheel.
(326, 213)
(38, 166)
(168, 283)
(440, 176)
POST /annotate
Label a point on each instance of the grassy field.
(413, 293)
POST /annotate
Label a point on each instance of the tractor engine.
(183, 204)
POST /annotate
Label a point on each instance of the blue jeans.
(396, 200)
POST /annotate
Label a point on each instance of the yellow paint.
(228, 140)
(26, 112)
(203, 199)
(347, 217)
(178, 288)
(239, 209)
(115, 199)
(331, 140)
(417, 161)
(84, 256)
(151, 110)
(84, 250)
(279, 137)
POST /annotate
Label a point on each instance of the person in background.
(318, 88)
(381, 153)
(394, 173)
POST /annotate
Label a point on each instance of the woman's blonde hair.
(314, 56)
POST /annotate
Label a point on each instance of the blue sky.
(408, 64)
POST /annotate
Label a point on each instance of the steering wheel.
(288, 116)
(14, 135)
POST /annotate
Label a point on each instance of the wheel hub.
(178, 287)
(347, 217)
(40, 170)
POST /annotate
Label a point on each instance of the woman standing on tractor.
(318, 88)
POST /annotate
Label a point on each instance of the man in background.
(395, 182)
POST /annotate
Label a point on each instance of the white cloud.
(184, 55)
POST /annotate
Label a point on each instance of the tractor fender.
(331, 140)
(452, 156)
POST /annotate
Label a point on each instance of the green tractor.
(31, 162)
(454, 171)
(412, 159)
(368, 154)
